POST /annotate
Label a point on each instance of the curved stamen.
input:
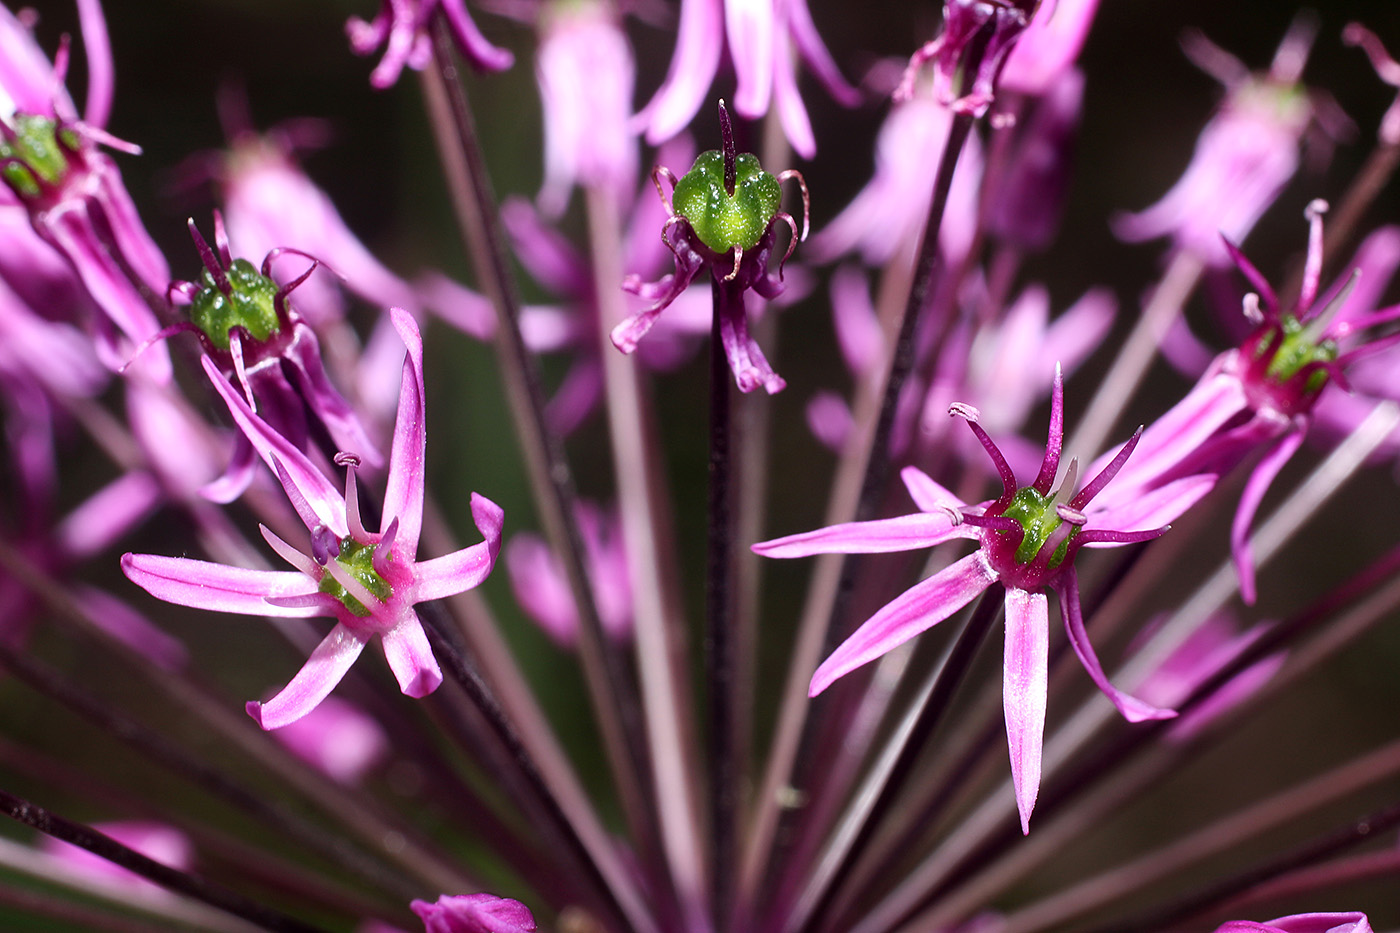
(738, 258)
(657, 173)
(1008, 477)
(290, 554)
(806, 199)
(1252, 314)
(1099, 482)
(163, 334)
(1312, 265)
(792, 242)
(352, 496)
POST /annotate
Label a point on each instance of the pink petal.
(1254, 490)
(1133, 709)
(749, 27)
(928, 495)
(403, 494)
(1024, 688)
(1161, 506)
(203, 585)
(410, 657)
(461, 570)
(902, 533)
(313, 683)
(325, 500)
(699, 40)
(858, 332)
(914, 611)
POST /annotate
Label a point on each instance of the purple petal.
(829, 420)
(540, 588)
(546, 254)
(699, 40)
(337, 739)
(203, 585)
(882, 536)
(131, 628)
(1152, 510)
(1254, 490)
(325, 500)
(403, 494)
(474, 913)
(792, 112)
(473, 45)
(814, 53)
(916, 610)
(343, 425)
(858, 332)
(461, 570)
(928, 495)
(98, 51)
(313, 683)
(749, 28)
(1133, 709)
(1024, 688)
(410, 657)
(108, 515)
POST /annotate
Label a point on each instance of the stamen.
(806, 199)
(290, 554)
(1008, 477)
(352, 496)
(1066, 489)
(726, 138)
(211, 262)
(1252, 314)
(738, 258)
(1054, 440)
(658, 173)
(1107, 474)
(221, 239)
(384, 550)
(235, 347)
(1317, 326)
(1312, 266)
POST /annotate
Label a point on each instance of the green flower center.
(1294, 349)
(359, 560)
(723, 221)
(1038, 519)
(250, 304)
(37, 151)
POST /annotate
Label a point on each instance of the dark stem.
(477, 691)
(85, 837)
(1317, 850)
(896, 763)
(609, 678)
(720, 603)
(211, 779)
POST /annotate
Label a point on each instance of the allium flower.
(724, 216)
(541, 588)
(1262, 393)
(1244, 157)
(474, 913)
(760, 36)
(73, 192)
(401, 27)
(253, 334)
(892, 208)
(1353, 922)
(1028, 539)
(586, 72)
(976, 38)
(369, 582)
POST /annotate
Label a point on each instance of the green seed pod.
(249, 304)
(37, 151)
(722, 220)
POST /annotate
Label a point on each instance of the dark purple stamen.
(211, 261)
(1106, 474)
(726, 136)
(1055, 439)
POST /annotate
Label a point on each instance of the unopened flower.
(369, 582)
(401, 28)
(970, 52)
(474, 913)
(1244, 157)
(724, 216)
(760, 37)
(1028, 539)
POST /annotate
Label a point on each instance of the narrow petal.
(1133, 709)
(410, 657)
(313, 683)
(882, 536)
(1025, 686)
(1254, 490)
(403, 494)
(1152, 510)
(203, 585)
(699, 41)
(927, 494)
(98, 50)
(749, 27)
(324, 499)
(461, 570)
(917, 609)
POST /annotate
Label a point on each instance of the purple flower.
(1028, 539)
(891, 209)
(369, 582)
(976, 38)
(1049, 47)
(401, 27)
(586, 72)
(474, 913)
(724, 216)
(760, 34)
(73, 192)
(338, 739)
(1244, 157)
(540, 586)
(1352, 922)
(1262, 393)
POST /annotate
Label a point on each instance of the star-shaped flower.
(1029, 537)
(369, 582)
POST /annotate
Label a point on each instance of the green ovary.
(37, 151)
(1295, 351)
(359, 560)
(1038, 519)
(720, 220)
(250, 304)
